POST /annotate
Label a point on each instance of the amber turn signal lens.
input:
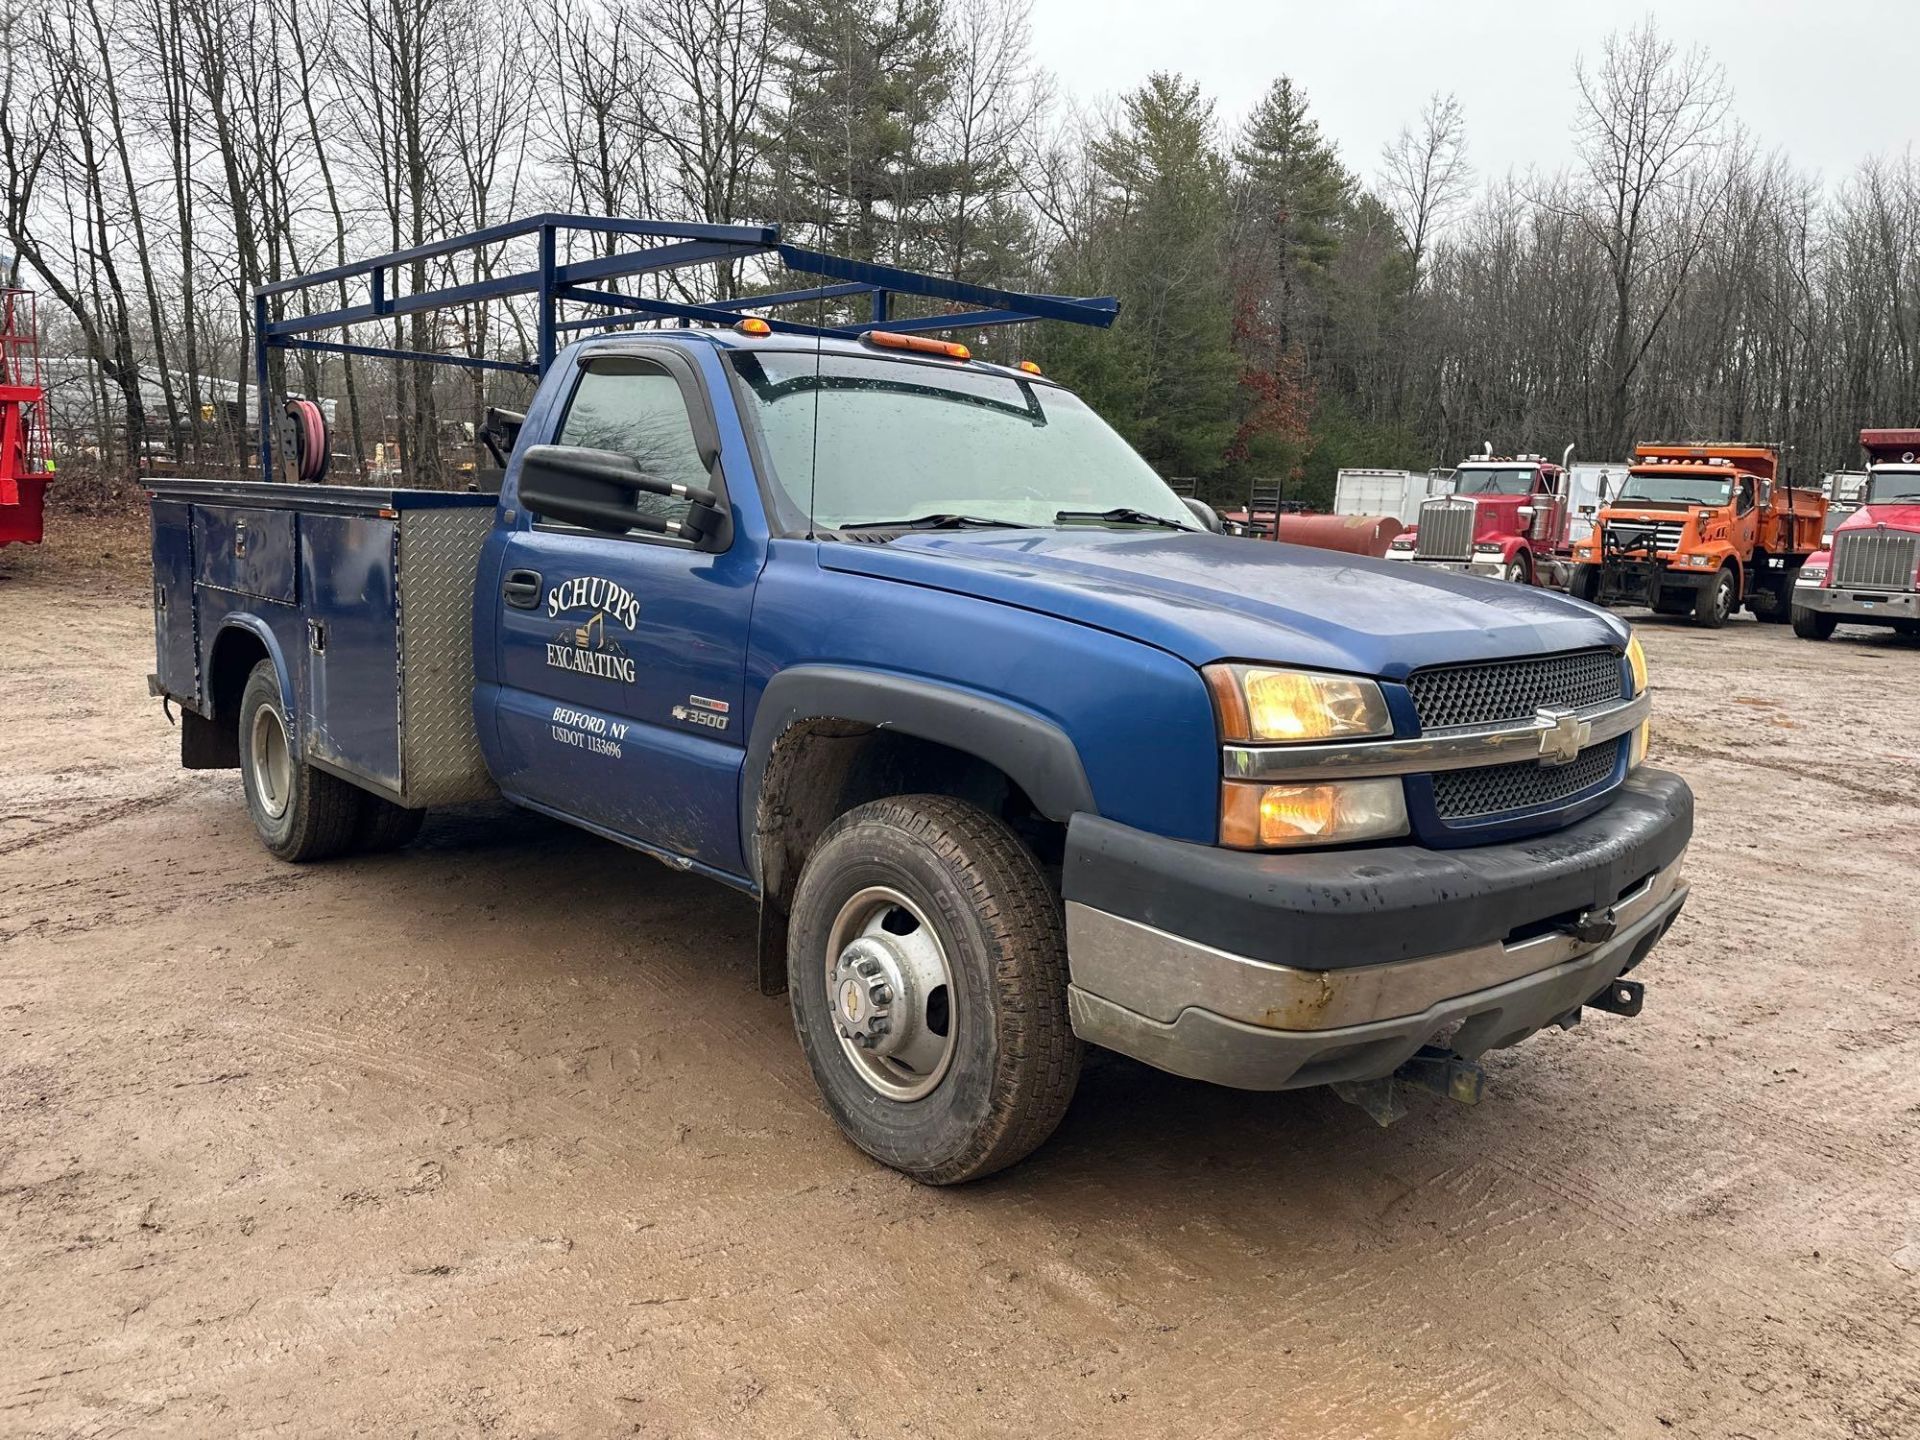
(1273, 817)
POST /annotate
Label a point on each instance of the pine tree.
(850, 129)
(1164, 374)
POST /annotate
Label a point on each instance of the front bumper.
(1860, 607)
(1271, 972)
(1488, 567)
(1639, 582)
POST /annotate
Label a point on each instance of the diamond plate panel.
(440, 760)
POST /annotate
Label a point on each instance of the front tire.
(1715, 603)
(1812, 624)
(301, 813)
(1519, 570)
(927, 965)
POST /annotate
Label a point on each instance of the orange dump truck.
(1701, 530)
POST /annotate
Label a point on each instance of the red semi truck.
(1869, 574)
(1507, 519)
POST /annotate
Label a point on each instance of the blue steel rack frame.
(677, 245)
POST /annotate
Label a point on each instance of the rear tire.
(1812, 624)
(1713, 605)
(903, 898)
(1779, 608)
(1585, 584)
(301, 813)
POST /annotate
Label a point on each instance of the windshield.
(899, 440)
(1656, 488)
(1494, 482)
(1893, 487)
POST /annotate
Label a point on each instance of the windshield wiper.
(939, 520)
(1121, 514)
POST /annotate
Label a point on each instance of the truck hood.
(1215, 597)
(1900, 515)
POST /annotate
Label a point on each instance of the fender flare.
(1034, 753)
(261, 631)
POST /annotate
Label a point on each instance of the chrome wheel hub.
(889, 994)
(271, 761)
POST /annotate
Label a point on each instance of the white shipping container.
(1385, 492)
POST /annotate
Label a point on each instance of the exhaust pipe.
(1566, 472)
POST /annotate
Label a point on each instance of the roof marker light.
(1028, 366)
(754, 325)
(919, 344)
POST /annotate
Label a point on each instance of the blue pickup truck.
(1015, 754)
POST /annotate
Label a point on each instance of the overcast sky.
(1829, 83)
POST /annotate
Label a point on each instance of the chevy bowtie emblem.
(1563, 735)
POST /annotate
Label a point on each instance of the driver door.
(623, 656)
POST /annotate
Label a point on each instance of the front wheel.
(1812, 624)
(927, 965)
(1715, 603)
(1519, 569)
(301, 813)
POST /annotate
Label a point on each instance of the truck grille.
(1495, 789)
(1635, 535)
(1498, 692)
(1446, 531)
(1876, 559)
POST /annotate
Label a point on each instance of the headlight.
(1255, 703)
(1268, 817)
(1486, 549)
(1811, 575)
(1637, 662)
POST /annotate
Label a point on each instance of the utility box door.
(353, 645)
(250, 552)
(174, 624)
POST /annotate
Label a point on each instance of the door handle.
(522, 589)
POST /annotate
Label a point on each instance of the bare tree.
(1425, 177)
(1651, 125)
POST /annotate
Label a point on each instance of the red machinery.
(23, 465)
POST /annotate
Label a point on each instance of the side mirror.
(596, 489)
(1205, 514)
(1766, 492)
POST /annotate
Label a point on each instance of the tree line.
(1286, 309)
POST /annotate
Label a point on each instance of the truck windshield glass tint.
(636, 409)
(900, 439)
(1677, 490)
(1894, 489)
(1494, 482)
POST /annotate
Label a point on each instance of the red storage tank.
(1353, 534)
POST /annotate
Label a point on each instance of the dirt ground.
(496, 1135)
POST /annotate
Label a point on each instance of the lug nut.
(881, 993)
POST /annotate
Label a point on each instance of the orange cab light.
(919, 344)
(754, 325)
(1028, 366)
